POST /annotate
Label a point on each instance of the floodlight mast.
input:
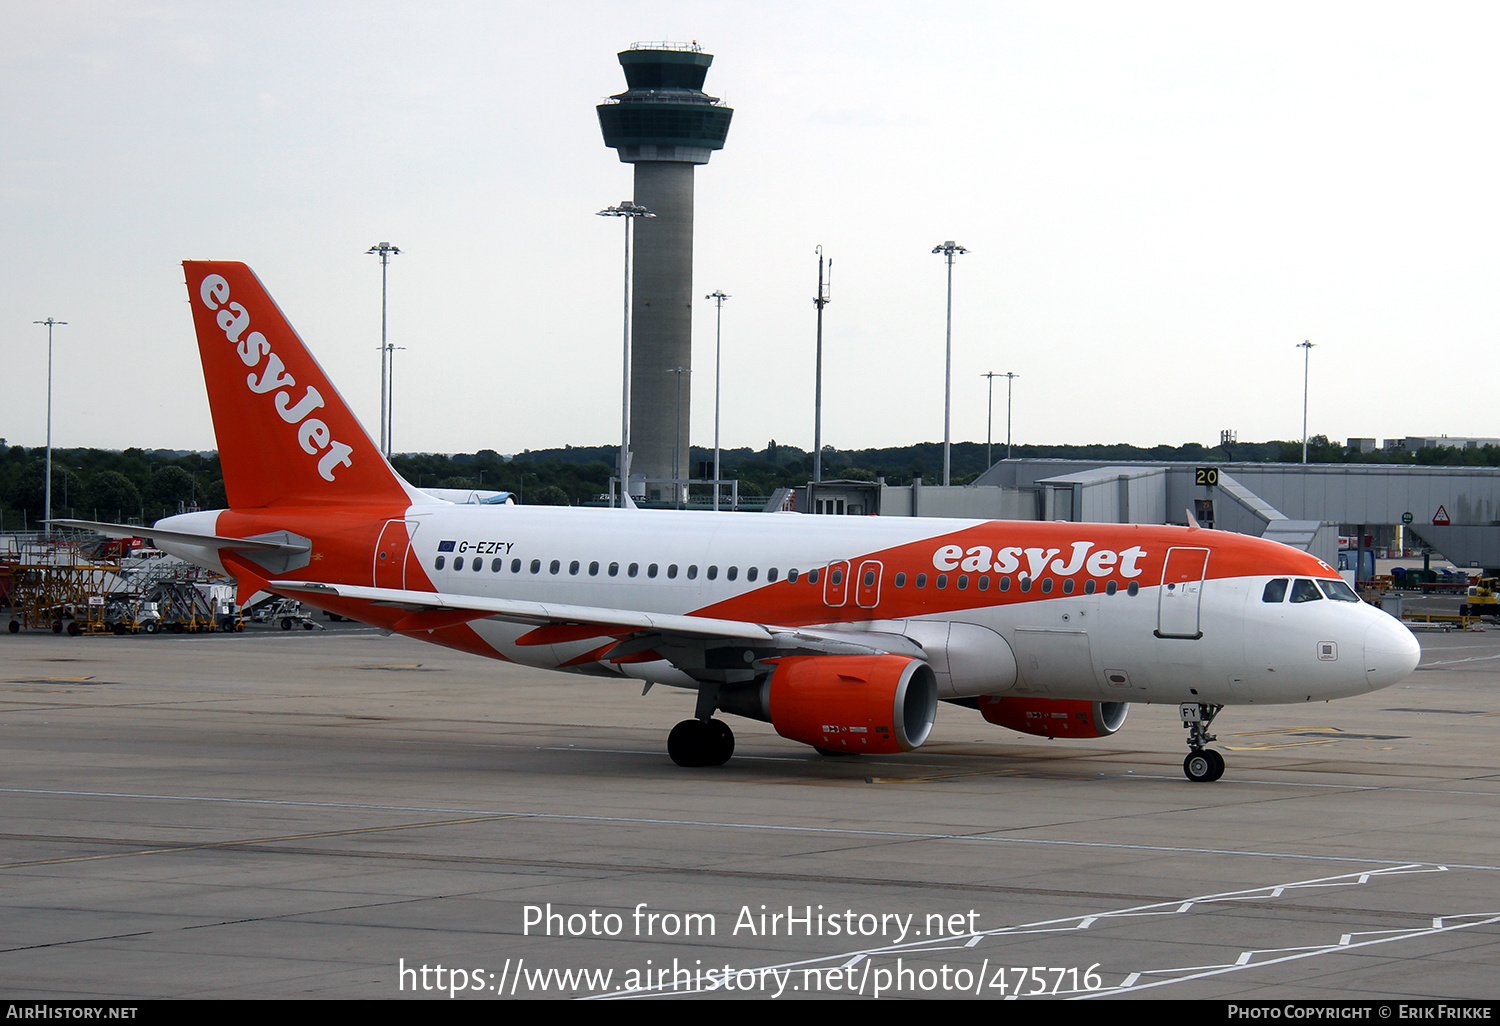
(822, 299)
(47, 515)
(949, 250)
(629, 211)
(385, 251)
(1010, 380)
(718, 296)
(1306, 348)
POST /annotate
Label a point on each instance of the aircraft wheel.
(1203, 766)
(695, 743)
(686, 743)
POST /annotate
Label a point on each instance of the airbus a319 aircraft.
(844, 633)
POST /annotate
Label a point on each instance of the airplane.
(844, 633)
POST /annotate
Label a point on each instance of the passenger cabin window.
(771, 575)
(573, 568)
(496, 564)
(651, 570)
(1304, 590)
(437, 564)
(692, 571)
(671, 571)
(614, 569)
(1275, 591)
(536, 566)
(515, 566)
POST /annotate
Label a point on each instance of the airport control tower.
(664, 124)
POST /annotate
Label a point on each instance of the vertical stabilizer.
(285, 435)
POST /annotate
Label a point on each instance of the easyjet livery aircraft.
(843, 632)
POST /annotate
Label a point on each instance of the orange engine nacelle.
(1055, 717)
(878, 704)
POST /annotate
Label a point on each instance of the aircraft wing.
(572, 623)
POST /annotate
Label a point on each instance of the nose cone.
(1391, 652)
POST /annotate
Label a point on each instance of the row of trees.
(147, 485)
(105, 484)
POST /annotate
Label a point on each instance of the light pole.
(949, 249)
(1010, 380)
(677, 485)
(718, 297)
(50, 323)
(1306, 348)
(385, 251)
(823, 298)
(989, 423)
(629, 211)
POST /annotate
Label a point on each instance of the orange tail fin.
(285, 435)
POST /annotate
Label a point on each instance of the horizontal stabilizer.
(184, 537)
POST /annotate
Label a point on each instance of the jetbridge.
(1454, 510)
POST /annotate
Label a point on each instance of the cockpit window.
(1339, 591)
(1275, 591)
(1304, 590)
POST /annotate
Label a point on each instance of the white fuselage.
(993, 618)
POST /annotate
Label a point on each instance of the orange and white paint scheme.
(845, 633)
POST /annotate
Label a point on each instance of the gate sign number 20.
(1206, 476)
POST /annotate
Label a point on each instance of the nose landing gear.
(1203, 765)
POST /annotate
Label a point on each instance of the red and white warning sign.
(1440, 518)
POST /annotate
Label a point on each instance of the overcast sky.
(1161, 201)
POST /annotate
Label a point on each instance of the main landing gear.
(1203, 765)
(700, 743)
